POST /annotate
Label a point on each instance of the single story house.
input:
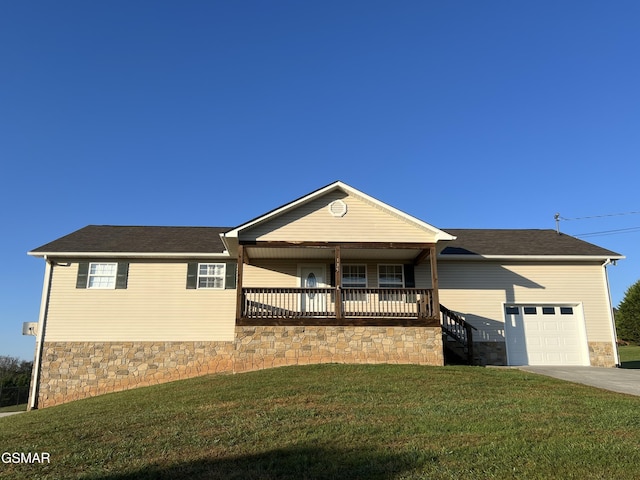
(334, 276)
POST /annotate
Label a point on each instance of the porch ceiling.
(399, 254)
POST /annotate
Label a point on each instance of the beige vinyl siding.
(155, 306)
(422, 273)
(479, 290)
(268, 274)
(362, 222)
(285, 273)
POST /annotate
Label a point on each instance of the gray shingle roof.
(520, 242)
(175, 240)
(114, 239)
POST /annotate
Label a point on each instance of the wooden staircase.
(457, 337)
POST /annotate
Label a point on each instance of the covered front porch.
(337, 283)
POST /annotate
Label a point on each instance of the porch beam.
(422, 256)
(347, 322)
(245, 253)
(332, 245)
(241, 260)
(434, 281)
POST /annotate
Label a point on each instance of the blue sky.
(493, 114)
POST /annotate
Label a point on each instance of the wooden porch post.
(434, 281)
(338, 277)
(239, 297)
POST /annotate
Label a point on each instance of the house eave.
(532, 258)
(128, 255)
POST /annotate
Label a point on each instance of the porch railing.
(387, 302)
(295, 303)
(288, 302)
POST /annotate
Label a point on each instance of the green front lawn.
(630, 356)
(337, 421)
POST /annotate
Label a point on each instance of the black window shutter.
(332, 274)
(230, 279)
(409, 282)
(409, 276)
(192, 275)
(122, 275)
(83, 274)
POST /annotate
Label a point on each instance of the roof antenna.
(557, 218)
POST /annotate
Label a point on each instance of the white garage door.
(545, 335)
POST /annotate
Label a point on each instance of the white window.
(354, 276)
(391, 276)
(102, 275)
(211, 275)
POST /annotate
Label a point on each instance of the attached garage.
(545, 335)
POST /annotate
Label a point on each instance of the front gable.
(338, 213)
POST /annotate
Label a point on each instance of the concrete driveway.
(615, 379)
(6, 414)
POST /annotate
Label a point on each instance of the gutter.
(42, 319)
(612, 321)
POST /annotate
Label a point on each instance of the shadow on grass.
(632, 364)
(287, 463)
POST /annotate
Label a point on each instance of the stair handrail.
(466, 338)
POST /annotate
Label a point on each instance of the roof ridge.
(156, 226)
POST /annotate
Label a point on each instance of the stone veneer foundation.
(75, 370)
(601, 354)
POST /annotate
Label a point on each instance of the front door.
(312, 276)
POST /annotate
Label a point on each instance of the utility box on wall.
(30, 328)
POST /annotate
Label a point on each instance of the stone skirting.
(601, 354)
(75, 370)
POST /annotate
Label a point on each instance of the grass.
(629, 356)
(337, 421)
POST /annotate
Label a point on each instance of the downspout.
(42, 318)
(612, 321)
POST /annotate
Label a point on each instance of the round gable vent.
(338, 208)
